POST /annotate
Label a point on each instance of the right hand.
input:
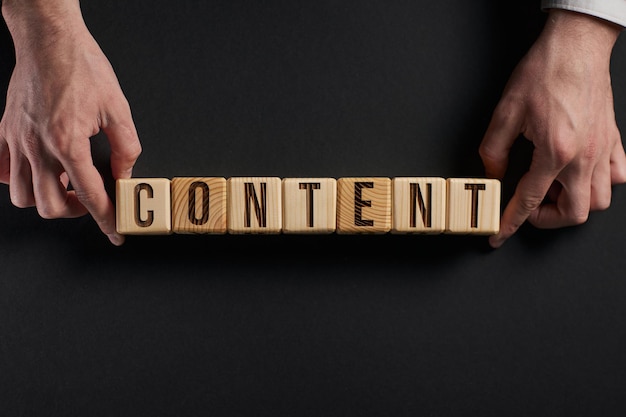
(560, 98)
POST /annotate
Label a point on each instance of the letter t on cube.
(309, 205)
(473, 206)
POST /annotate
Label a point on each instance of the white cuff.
(611, 10)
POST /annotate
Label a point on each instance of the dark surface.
(321, 325)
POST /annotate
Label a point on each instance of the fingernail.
(116, 239)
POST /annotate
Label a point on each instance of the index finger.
(90, 191)
(528, 196)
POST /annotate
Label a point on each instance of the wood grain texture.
(309, 205)
(363, 205)
(419, 205)
(473, 206)
(199, 205)
(143, 206)
(255, 205)
(271, 205)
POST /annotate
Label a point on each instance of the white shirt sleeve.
(611, 10)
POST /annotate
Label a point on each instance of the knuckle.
(130, 147)
(57, 134)
(529, 204)
(20, 199)
(563, 151)
(580, 218)
(600, 203)
(74, 153)
(133, 150)
(487, 153)
(65, 142)
(619, 175)
(87, 198)
(590, 151)
(49, 211)
(21, 203)
(577, 217)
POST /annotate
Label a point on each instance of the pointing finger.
(90, 191)
(529, 194)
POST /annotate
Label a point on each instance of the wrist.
(39, 20)
(585, 31)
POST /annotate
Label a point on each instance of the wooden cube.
(309, 205)
(143, 206)
(199, 205)
(419, 205)
(255, 205)
(473, 206)
(363, 205)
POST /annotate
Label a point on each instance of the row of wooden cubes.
(271, 205)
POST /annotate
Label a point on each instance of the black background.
(312, 325)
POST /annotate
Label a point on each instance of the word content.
(272, 205)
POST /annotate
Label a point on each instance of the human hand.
(560, 98)
(62, 92)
